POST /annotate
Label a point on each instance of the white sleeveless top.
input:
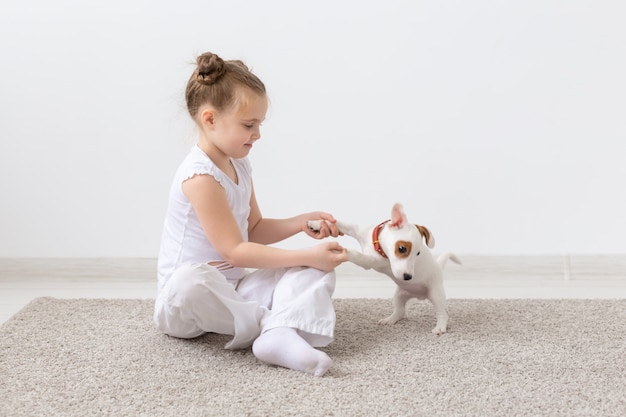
(183, 240)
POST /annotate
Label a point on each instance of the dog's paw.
(314, 225)
(388, 321)
(439, 330)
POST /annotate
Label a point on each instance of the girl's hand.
(328, 227)
(327, 256)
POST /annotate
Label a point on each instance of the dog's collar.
(375, 241)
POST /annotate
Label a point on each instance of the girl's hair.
(215, 82)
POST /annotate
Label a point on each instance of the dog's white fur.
(409, 262)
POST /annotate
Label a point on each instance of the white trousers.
(198, 299)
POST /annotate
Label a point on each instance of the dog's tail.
(443, 259)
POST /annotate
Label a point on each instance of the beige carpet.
(500, 358)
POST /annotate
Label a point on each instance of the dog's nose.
(407, 277)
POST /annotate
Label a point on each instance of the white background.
(498, 124)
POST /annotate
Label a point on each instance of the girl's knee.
(311, 278)
(326, 277)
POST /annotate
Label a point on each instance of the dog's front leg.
(437, 296)
(400, 299)
(347, 229)
(365, 261)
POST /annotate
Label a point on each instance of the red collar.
(375, 241)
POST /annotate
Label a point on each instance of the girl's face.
(237, 129)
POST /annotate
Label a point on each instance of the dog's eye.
(402, 249)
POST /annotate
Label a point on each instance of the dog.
(396, 248)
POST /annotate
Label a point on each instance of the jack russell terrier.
(395, 248)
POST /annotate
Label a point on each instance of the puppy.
(396, 248)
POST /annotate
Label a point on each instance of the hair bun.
(210, 68)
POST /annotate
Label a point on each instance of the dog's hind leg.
(400, 299)
(437, 296)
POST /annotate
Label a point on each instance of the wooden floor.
(585, 276)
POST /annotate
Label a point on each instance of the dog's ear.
(398, 218)
(428, 237)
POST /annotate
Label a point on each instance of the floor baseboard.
(480, 276)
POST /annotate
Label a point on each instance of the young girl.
(214, 228)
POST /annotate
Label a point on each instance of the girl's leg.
(302, 316)
(198, 299)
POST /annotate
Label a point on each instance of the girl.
(214, 228)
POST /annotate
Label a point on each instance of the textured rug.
(500, 358)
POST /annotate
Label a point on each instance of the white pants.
(198, 299)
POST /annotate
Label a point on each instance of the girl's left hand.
(327, 229)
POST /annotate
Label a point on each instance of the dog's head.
(403, 242)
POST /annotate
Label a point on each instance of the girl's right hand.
(327, 256)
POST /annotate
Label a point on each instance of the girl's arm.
(268, 231)
(209, 201)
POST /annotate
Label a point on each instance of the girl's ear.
(207, 117)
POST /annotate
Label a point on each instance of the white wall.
(499, 124)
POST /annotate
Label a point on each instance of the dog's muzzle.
(407, 277)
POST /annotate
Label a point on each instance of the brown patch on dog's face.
(403, 249)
